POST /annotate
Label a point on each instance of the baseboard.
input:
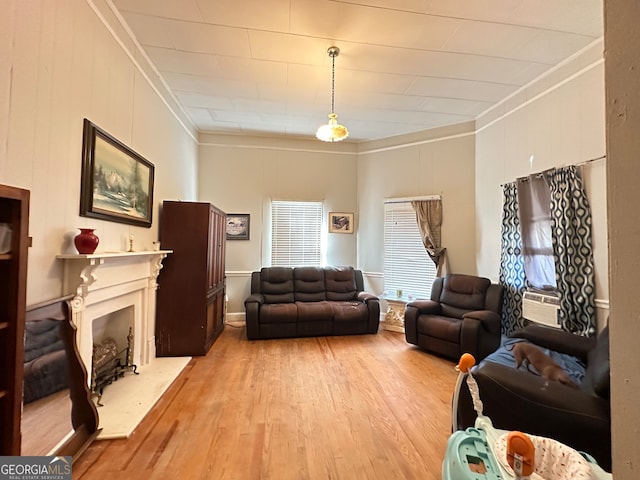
(391, 327)
(235, 319)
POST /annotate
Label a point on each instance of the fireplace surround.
(103, 284)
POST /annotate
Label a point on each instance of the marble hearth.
(104, 283)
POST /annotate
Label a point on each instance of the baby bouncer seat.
(483, 452)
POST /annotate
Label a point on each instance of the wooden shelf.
(14, 205)
(99, 255)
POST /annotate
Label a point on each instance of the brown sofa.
(518, 400)
(463, 316)
(309, 301)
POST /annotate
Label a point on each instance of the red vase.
(86, 241)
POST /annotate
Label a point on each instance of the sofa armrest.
(252, 305)
(254, 298)
(425, 306)
(372, 303)
(411, 313)
(365, 297)
(557, 340)
(489, 320)
(480, 333)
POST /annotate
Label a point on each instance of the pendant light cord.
(333, 82)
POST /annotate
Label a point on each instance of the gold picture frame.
(117, 183)
(340, 222)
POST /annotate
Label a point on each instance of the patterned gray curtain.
(572, 250)
(511, 261)
(429, 218)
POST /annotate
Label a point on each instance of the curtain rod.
(601, 157)
(410, 199)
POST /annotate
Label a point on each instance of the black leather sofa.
(518, 400)
(309, 301)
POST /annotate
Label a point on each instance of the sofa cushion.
(314, 311)
(45, 375)
(570, 364)
(279, 313)
(444, 328)
(462, 294)
(276, 284)
(340, 283)
(41, 337)
(309, 284)
(349, 311)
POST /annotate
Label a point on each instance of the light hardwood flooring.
(347, 407)
(45, 422)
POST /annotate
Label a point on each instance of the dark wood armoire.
(191, 285)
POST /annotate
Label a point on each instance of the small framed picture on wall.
(238, 226)
(340, 222)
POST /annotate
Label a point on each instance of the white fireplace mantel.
(103, 283)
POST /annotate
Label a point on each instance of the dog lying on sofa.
(529, 355)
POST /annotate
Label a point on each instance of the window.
(407, 266)
(534, 209)
(296, 234)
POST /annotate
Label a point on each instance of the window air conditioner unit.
(541, 308)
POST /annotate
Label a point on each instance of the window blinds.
(407, 266)
(296, 233)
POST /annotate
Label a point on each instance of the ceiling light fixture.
(332, 131)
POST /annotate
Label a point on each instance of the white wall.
(558, 120)
(59, 63)
(437, 162)
(242, 174)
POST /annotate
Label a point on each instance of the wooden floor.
(350, 407)
(51, 414)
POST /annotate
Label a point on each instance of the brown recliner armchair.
(463, 316)
(518, 400)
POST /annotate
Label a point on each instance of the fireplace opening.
(113, 343)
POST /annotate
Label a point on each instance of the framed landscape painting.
(238, 226)
(340, 222)
(117, 183)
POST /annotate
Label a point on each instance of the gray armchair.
(462, 316)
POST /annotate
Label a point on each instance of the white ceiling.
(261, 66)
